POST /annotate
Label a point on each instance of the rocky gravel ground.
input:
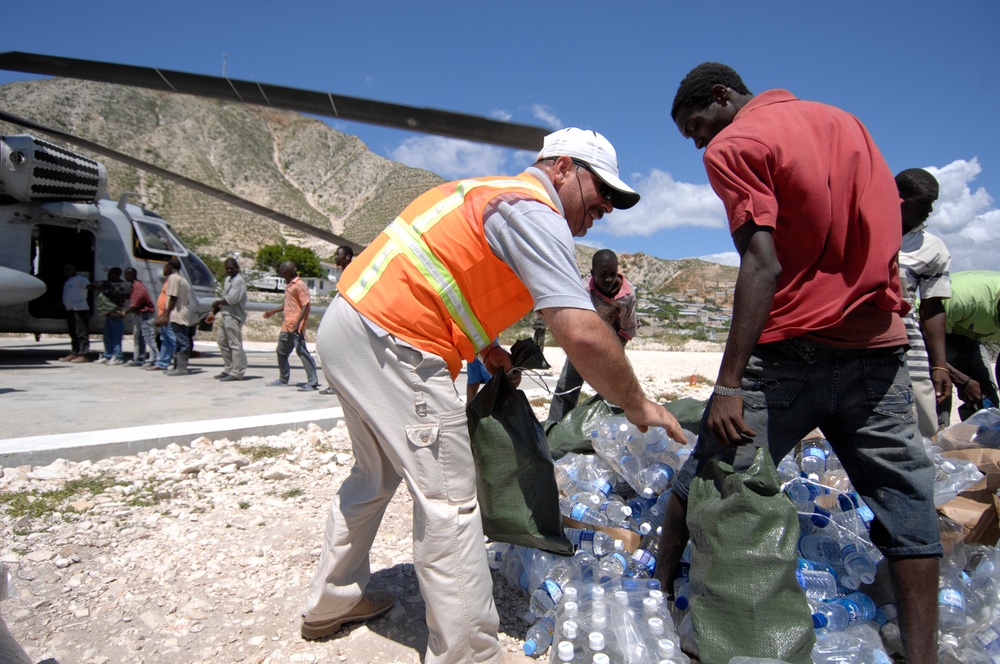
(204, 552)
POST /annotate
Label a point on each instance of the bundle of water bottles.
(602, 604)
(585, 611)
(838, 560)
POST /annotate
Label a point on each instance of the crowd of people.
(845, 315)
(164, 330)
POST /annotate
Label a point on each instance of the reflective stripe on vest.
(405, 239)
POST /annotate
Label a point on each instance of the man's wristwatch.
(723, 391)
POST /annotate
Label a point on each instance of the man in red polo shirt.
(816, 338)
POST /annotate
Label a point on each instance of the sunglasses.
(603, 189)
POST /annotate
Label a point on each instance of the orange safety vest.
(431, 279)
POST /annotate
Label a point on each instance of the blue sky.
(923, 76)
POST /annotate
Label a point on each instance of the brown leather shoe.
(373, 604)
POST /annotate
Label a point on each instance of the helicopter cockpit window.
(156, 238)
(198, 272)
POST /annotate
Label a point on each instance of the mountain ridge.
(280, 159)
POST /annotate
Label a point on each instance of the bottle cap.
(596, 641)
(655, 626)
(566, 652)
(570, 629)
(820, 621)
(530, 647)
(601, 658)
(666, 647)
(571, 610)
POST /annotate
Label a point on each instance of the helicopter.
(54, 205)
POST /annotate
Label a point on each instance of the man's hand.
(971, 392)
(942, 385)
(498, 359)
(268, 314)
(652, 414)
(725, 421)
(161, 321)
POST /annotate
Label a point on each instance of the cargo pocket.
(442, 456)
(424, 445)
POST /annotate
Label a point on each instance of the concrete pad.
(51, 409)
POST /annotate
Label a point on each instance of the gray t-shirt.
(538, 246)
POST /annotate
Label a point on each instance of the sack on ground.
(518, 495)
(572, 432)
(745, 600)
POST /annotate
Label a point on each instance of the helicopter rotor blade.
(176, 178)
(398, 116)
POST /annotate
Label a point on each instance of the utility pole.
(223, 65)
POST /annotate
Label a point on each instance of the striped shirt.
(923, 273)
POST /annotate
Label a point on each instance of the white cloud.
(451, 158)
(665, 204)
(965, 219)
(723, 258)
(545, 114)
(502, 115)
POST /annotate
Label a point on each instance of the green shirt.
(973, 310)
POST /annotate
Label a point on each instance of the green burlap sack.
(688, 412)
(572, 432)
(518, 495)
(745, 600)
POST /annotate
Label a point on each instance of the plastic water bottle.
(648, 550)
(951, 602)
(855, 560)
(570, 631)
(539, 637)
(682, 593)
(566, 652)
(615, 511)
(802, 490)
(549, 593)
(582, 512)
(813, 519)
(812, 460)
(839, 614)
(818, 584)
(597, 642)
(788, 469)
(988, 640)
(597, 542)
(654, 479)
(615, 563)
(495, 552)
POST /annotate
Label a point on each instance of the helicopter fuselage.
(38, 238)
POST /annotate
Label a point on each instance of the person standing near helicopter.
(74, 299)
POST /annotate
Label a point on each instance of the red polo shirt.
(813, 174)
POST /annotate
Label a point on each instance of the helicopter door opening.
(52, 247)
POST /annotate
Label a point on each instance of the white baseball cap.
(597, 153)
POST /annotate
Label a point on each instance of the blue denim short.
(862, 402)
(476, 372)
